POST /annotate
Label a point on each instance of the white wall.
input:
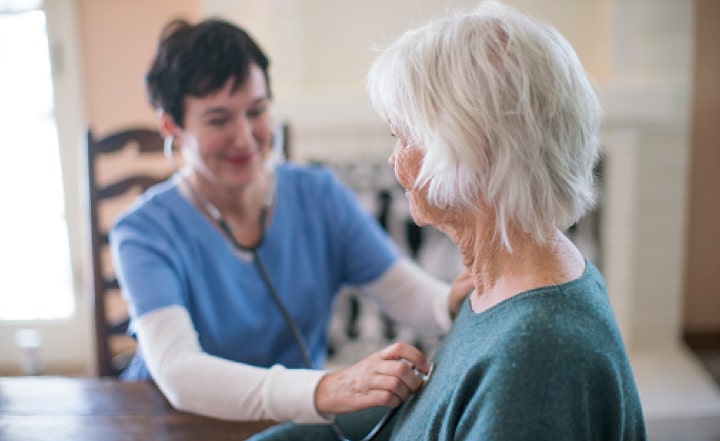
(648, 98)
(321, 49)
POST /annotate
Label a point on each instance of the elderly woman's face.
(407, 159)
(227, 135)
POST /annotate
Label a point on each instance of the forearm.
(412, 297)
(197, 382)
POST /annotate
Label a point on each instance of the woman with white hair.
(496, 127)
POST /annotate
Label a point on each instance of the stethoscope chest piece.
(424, 377)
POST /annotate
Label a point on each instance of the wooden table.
(86, 409)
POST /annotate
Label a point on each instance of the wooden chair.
(120, 167)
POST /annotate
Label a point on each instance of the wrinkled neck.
(498, 273)
(483, 256)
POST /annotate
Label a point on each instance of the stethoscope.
(268, 201)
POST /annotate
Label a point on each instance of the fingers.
(360, 386)
(397, 371)
(394, 384)
(382, 397)
(403, 351)
(398, 378)
(384, 378)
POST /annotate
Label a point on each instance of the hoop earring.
(168, 151)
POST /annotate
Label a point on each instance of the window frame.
(66, 343)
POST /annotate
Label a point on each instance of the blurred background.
(67, 66)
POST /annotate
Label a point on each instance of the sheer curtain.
(35, 266)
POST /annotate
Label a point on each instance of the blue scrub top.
(166, 252)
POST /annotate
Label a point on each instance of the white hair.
(502, 109)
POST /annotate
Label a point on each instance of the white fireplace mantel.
(646, 140)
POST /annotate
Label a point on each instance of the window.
(35, 266)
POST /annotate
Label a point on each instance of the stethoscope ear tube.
(168, 142)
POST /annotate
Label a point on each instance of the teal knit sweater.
(545, 365)
(548, 364)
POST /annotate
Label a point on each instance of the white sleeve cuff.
(194, 381)
(289, 394)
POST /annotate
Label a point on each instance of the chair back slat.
(113, 346)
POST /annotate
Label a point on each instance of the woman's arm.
(197, 382)
(415, 298)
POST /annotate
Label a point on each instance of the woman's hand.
(461, 286)
(384, 378)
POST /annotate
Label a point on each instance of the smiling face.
(227, 135)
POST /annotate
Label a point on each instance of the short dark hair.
(195, 60)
